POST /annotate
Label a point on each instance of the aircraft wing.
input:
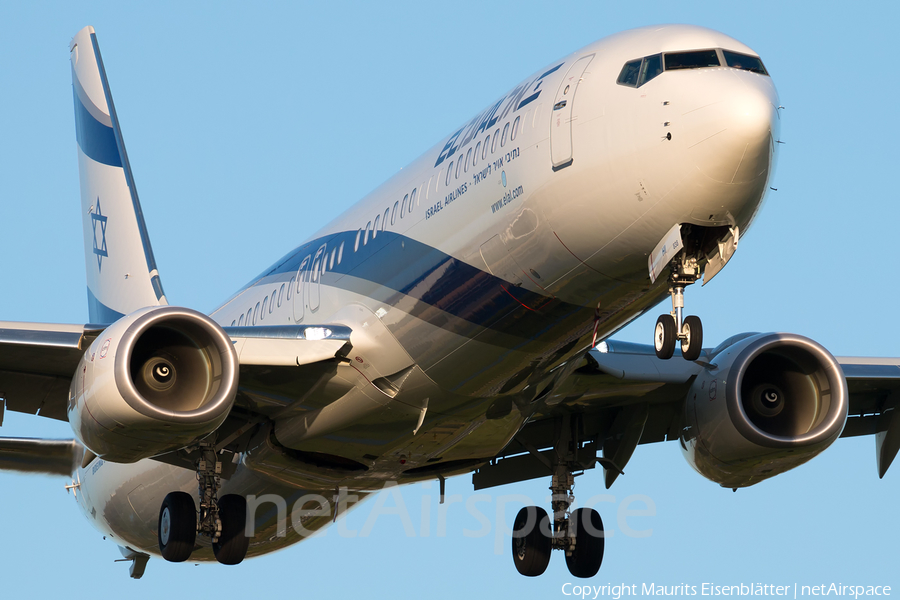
(50, 457)
(621, 396)
(37, 360)
(874, 385)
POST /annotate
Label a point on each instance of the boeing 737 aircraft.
(456, 320)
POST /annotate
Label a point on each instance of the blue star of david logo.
(99, 249)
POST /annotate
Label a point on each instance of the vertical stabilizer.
(121, 271)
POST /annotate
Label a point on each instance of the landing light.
(317, 333)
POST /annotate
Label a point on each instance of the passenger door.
(299, 300)
(561, 114)
(315, 277)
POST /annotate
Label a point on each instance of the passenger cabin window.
(290, 288)
(468, 160)
(241, 320)
(449, 173)
(384, 220)
(485, 151)
(692, 60)
(477, 152)
(403, 206)
(377, 223)
(412, 200)
(394, 214)
(366, 234)
(629, 74)
(505, 132)
(515, 129)
(744, 62)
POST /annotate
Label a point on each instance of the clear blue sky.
(248, 125)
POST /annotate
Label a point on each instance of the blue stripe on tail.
(94, 138)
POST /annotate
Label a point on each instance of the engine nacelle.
(153, 382)
(766, 404)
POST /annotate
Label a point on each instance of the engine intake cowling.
(766, 404)
(153, 382)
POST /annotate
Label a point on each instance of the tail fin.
(121, 270)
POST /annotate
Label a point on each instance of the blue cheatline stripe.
(99, 312)
(94, 138)
(436, 279)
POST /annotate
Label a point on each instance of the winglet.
(121, 271)
(887, 436)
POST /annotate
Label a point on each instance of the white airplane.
(455, 320)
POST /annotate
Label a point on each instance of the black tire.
(233, 542)
(664, 337)
(531, 541)
(693, 344)
(176, 528)
(589, 542)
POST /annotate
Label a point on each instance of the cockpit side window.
(744, 61)
(692, 60)
(652, 67)
(630, 72)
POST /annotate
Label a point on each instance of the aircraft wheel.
(693, 343)
(177, 527)
(589, 542)
(233, 541)
(531, 541)
(664, 337)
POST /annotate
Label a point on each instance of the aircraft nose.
(731, 140)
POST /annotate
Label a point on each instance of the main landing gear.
(672, 327)
(222, 519)
(579, 532)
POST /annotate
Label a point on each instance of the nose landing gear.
(673, 327)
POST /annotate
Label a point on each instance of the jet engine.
(765, 404)
(153, 382)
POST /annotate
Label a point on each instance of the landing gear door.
(665, 251)
(561, 114)
(724, 250)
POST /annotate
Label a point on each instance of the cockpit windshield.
(744, 61)
(692, 60)
(639, 71)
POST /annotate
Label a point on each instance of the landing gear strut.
(579, 533)
(673, 327)
(221, 519)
